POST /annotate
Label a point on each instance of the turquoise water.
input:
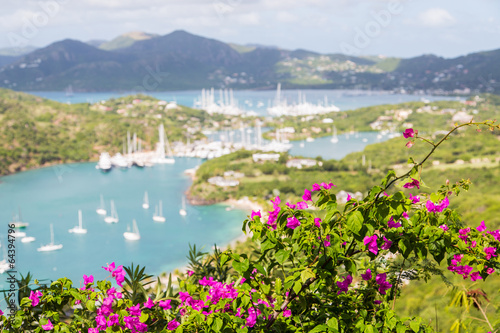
(249, 100)
(347, 144)
(55, 194)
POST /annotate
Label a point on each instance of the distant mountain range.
(179, 61)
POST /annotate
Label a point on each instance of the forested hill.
(180, 61)
(37, 132)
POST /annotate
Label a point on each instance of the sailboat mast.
(51, 234)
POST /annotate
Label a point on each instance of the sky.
(400, 28)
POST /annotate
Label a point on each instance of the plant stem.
(484, 314)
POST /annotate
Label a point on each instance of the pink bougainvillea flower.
(149, 304)
(437, 208)
(414, 199)
(444, 227)
(344, 285)
(368, 275)
(165, 305)
(481, 227)
(381, 280)
(410, 144)
(327, 186)
(377, 302)
(490, 252)
(252, 317)
(371, 243)
(88, 279)
(387, 244)
(393, 224)
(110, 268)
(307, 195)
(327, 241)
(302, 205)
(292, 206)
(276, 201)
(317, 222)
(190, 273)
(287, 313)
(35, 297)
(490, 270)
(409, 133)
(475, 276)
(119, 275)
(48, 326)
(412, 184)
(172, 325)
(292, 222)
(114, 319)
(348, 197)
(254, 214)
(405, 215)
(135, 310)
(316, 187)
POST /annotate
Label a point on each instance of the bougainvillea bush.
(317, 267)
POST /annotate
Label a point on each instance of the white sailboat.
(183, 211)
(134, 234)
(4, 264)
(78, 229)
(51, 246)
(102, 209)
(28, 239)
(145, 204)
(334, 138)
(160, 150)
(158, 216)
(17, 221)
(113, 218)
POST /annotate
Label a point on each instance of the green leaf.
(297, 286)
(319, 329)
(401, 328)
(333, 323)
(306, 275)
(91, 305)
(415, 326)
(355, 222)
(282, 256)
(241, 267)
(268, 244)
(144, 317)
(369, 329)
(217, 325)
(277, 285)
(223, 259)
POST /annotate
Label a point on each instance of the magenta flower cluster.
(437, 207)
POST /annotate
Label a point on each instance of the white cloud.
(248, 18)
(286, 17)
(436, 17)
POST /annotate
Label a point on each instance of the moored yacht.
(104, 163)
(51, 246)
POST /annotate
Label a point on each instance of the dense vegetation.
(36, 132)
(316, 266)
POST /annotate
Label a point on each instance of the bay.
(257, 101)
(53, 195)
